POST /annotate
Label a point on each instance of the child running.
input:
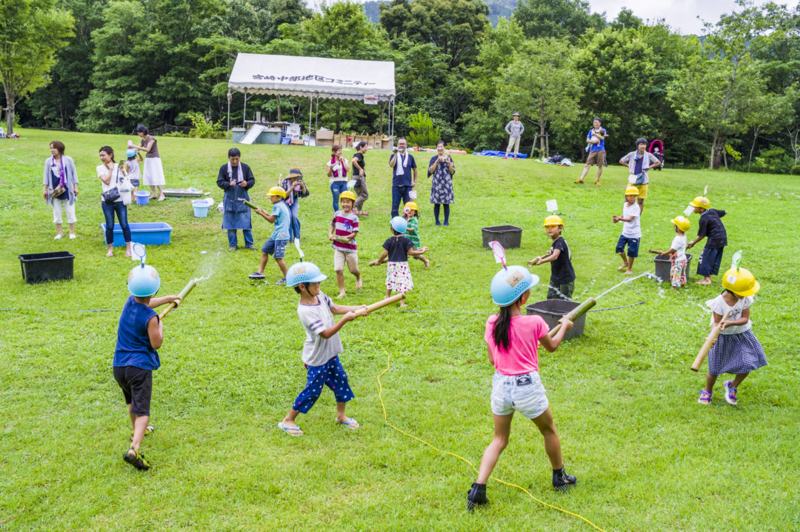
(411, 216)
(276, 245)
(736, 350)
(631, 230)
(134, 173)
(677, 252)
(322, 347)
(712, 227)
(342, 234)
(562, 274)
(513, 340)
(396, 250)
(139, 334)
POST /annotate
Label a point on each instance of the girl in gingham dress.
(396, 250)
(736, 350)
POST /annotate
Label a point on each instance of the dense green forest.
(728, 97)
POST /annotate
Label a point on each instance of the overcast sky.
(681, 15)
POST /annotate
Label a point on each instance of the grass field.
(647, 455)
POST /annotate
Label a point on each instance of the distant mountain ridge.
(497, 9)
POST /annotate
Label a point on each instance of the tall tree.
(568, 19)
(31, 32)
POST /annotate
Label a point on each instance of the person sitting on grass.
(276, 245)
(712, 227)
(322, 347)
(677, 252)
(411, 215)
(631, 230)
(342, 234)
(562, 274)
(139, 335)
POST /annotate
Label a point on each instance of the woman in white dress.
(153, 171)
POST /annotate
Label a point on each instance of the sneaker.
(72, 236)
(730, 392)
(252, 248)
(562, 481)
(447, 224)
(136, 459)
(506, 157)
(597, 183)
(476, 496)
(439, 224)
(281, 281)
(256, 275)
(579, 182)
(58, 237)
(233, 248)
(705, 397)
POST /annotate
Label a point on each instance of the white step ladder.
(252, 134)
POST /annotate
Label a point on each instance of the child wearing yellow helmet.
(677, 252)
(411, 215)
(631, 230)
(736, 350)
(276, 245)
(562, 274)
(711, 226)
(342, 234)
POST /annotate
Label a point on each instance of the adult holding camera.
(404, 174)
(236, 178)
(596, 146)
(115, 199)
(441, 169)
(153, 170)
(337, 172)
(361, 179)
(61, 187)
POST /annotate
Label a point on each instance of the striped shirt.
(316, 319)
(344, 224)
(412, 232)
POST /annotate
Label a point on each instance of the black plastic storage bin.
(552, 310)
(41, 267)
(509, 236)
(664, 264)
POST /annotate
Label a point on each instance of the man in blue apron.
(236, 178)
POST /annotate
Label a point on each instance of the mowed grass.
(647, 455)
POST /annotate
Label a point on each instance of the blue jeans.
(337, 187)
(294, 224)
(122, 215)
(399, 193)
(710, 261)
(234, 242)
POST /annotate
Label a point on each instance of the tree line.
(727, 98)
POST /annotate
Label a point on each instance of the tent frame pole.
(310, 110)
(228, 134)
(316, 114)
(244, 113)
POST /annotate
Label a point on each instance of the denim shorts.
(276, 248)
(633, 246)
(519, 393)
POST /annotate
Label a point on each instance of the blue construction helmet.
(143, 281)
(130, 153)
(399, 224)
(304, 272)
(510, 283)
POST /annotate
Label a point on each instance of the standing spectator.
(295, 189)
(596, 145)
(404, 176)
(236, 178)
(361, 178)
(337, 172)
(61, 187)
(153, 171)
(112, 175)
(442, 169)
(515, 129)
(638, 162)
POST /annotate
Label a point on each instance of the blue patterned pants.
(330, 374)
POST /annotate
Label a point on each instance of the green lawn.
(647, 455)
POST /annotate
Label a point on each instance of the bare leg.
(139, 428)
(152, 192)
(502, 431)
(290, 418)
(710, 381)
(282, 266)
(583, 175)
(161, 196)
(552, 444)
(340, 415)
(59, 231)
(264, 260)
(738, 379)
(129, 251)
(624, 262)
(641, 207)
(357, 274)
(630, 265)
(71, 229)
(110, 251)
(599, 172)
(340, 282)
(426, 261)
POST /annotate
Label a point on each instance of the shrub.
(203, 129)
(423, 133)
(795, 169)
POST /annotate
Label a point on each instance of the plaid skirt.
(736, 354)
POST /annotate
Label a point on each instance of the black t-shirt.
(711, 227)
(360, 158)
(561, 270)
(398, 247)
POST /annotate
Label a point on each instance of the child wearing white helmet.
(139, 335)
(411, 216)
(631, 231)
(396, 250)
(513, 341)
(322, 347)
(562, 274)
(677, 252)
(736, 350)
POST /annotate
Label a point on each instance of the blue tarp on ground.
(495, 153)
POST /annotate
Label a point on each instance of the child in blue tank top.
(139, 335)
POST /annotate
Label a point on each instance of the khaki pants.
(57, 205)
(340, 258)
(513, 143)
(362, 192)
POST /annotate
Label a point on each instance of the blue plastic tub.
(149, 234)
(142, 197)
(200, 208)
(286, 141)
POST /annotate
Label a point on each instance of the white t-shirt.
(315, 319)
(719, 306)
(631, 229)
(116, 180)
(679, 245)
(338, 168)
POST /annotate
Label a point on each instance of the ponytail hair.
(502, 328)
(109, 150)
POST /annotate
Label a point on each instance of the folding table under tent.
(314, 78)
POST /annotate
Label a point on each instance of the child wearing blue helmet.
(396, 250)
(132, 164)
(139, 335)
(322, 347)
(513, 340)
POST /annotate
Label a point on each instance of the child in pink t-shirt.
(513, 340)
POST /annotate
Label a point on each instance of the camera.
(394, 150)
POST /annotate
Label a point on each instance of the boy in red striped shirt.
(342, 234)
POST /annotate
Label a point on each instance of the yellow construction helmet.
(741, 282)
(631, 191)
(553, 220)
(411, 206)
(277, 191)
(347, 195)
(682, 222)
(701, 202)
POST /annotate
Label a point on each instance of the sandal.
(351, 423)
(291, 431)
(705, 397)
(136, 459)
(256, 275)
(730, 393)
